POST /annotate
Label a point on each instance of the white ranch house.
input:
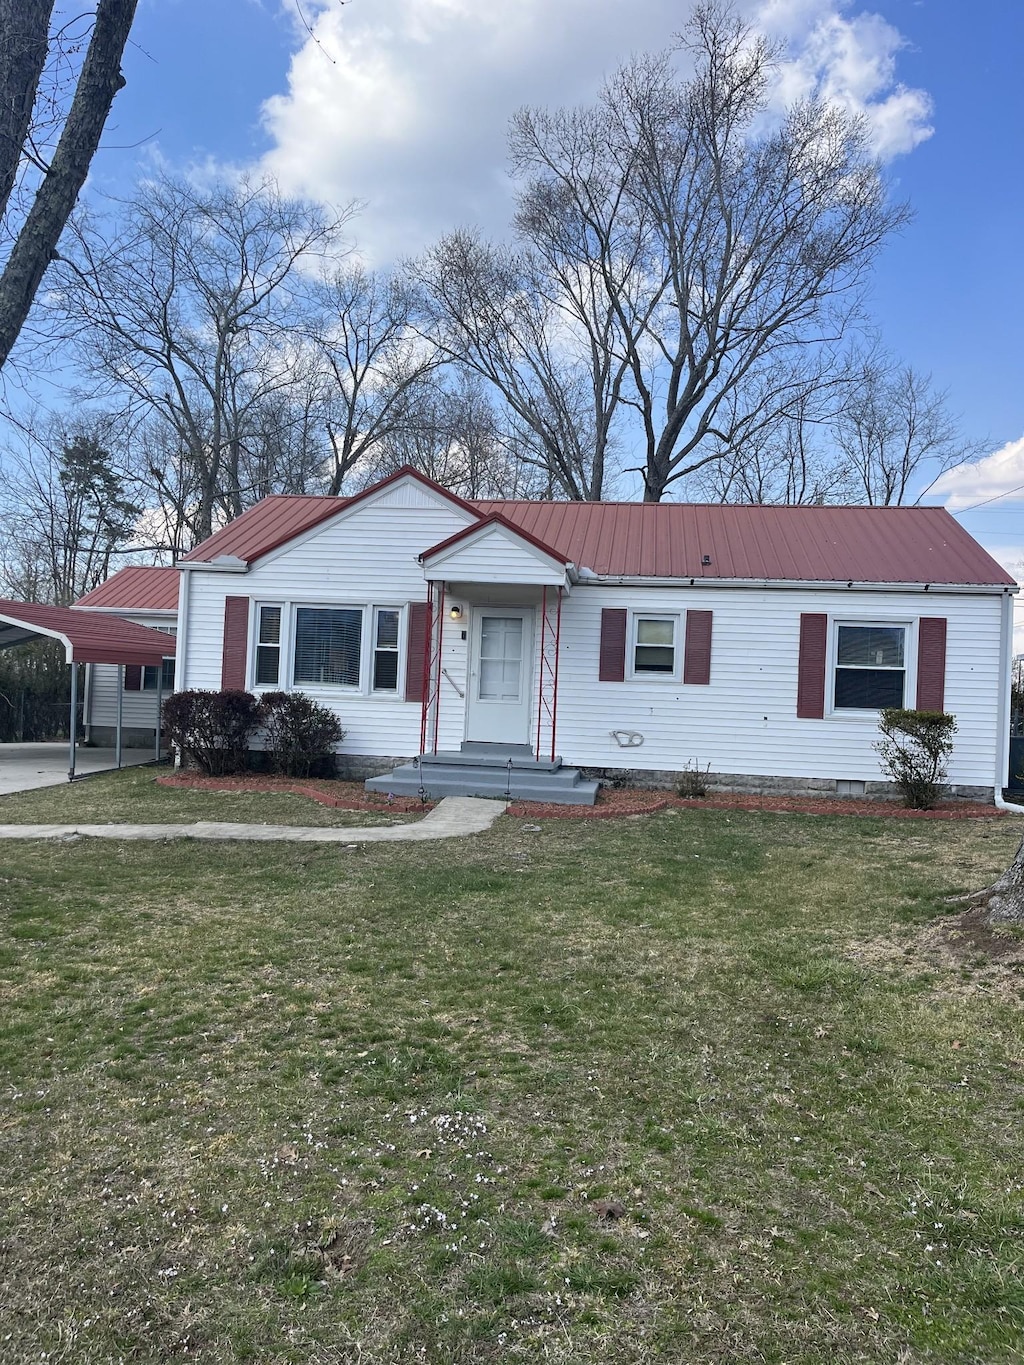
(484, 640)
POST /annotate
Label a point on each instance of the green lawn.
(134, 796)
(681, 1087)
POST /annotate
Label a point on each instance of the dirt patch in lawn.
(340, 795)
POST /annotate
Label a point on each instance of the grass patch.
(619, 1091)
(132, 796)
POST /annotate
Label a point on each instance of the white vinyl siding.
(138, 708)
(366, 558)
(744, 722)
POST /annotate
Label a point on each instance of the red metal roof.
(281, 517)
(88, 637)
(799, 544)
(138, 587)
(262, 528)
(670, 540)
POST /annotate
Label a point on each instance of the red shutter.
(931, 663)
(132, 678)
(236, 638)
(416, 652)
(612, 656)
(810, 688)
(697, 656)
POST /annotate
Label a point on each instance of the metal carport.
(87, 639)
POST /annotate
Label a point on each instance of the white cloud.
(999, 475)
(404, 104)
(850, 60)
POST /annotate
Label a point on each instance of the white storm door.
(498, 710)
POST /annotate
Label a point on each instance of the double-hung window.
(268, 646)
(165, 673)
(870, 666)
(654, 645)
(385, 649)
(328, 641)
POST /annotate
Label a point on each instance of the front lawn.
(680, 1087)
(134, 796)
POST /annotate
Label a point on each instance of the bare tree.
(891, 427)
(681, 253)
(373, 366)
(456, 436)
(191, 310)
(490, 309)
(24, 44)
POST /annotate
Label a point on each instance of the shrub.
(914, 748)
(693, 781)
(212, 729)
(300, 734)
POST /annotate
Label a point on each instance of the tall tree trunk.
(1003, 901)
(24, 31)
(98, 83)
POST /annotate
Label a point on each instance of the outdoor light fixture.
(456, 613)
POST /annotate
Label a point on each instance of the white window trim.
(286, 662)
(857, 713)
(328, 689)
(642, 675)
(282, 645)
(398, 690)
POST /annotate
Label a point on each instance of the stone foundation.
(358, 767)
(757, 784)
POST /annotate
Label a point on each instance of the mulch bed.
(612, 802)
(615, 802)
(340, 795)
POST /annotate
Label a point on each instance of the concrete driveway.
(24, 767)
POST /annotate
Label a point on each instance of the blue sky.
(402, 104)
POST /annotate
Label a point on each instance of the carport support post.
(73, 727)
(159, 703)
(120, 710)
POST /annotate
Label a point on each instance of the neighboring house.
(149, 597)
(637, 640)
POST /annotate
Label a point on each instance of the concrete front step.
(561, 787)
(497, 758)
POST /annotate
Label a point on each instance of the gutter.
(588, 579)
(223, 564)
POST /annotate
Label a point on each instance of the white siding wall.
(745, 721)
(497, 557)
(366, 559)
(139, 708)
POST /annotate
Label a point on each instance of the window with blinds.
(385, 650)
(870, 667)
(268, 647)
(327, 645)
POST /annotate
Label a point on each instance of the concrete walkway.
(452, 818)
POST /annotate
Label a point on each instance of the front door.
(498, 696)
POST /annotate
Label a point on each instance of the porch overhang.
(493, 552)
